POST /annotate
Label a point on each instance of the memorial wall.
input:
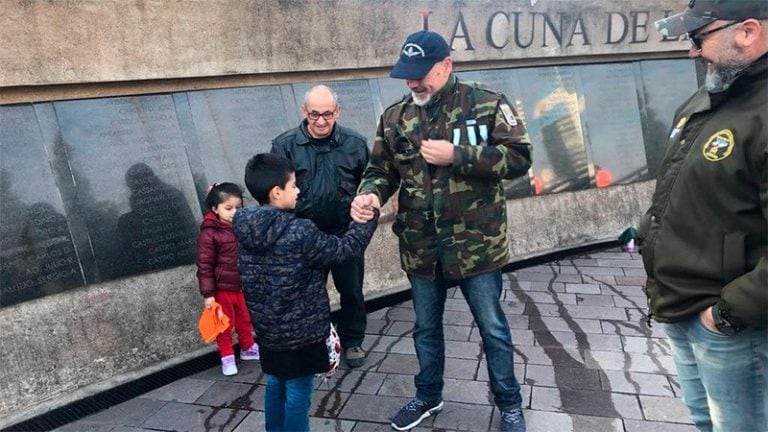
(104, 162)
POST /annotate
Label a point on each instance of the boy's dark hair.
(265, 171)
(220, 192)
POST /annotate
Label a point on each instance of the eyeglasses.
(314, 115)
(698, 38)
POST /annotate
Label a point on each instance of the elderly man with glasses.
(704, 239)
(329, 161)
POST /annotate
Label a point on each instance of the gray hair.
(321, 87)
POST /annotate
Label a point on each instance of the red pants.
(233, 305)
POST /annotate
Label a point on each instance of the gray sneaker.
(413, 413)
(355, 356)
(512, 421)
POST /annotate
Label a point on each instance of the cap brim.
(681, 23)
(410, 71)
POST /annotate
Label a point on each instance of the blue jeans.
(723, 378)
(482, 293)
(286, 403)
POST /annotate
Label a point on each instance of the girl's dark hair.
(220, 192)
(265, 171)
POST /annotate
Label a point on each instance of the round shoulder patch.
(719, 146)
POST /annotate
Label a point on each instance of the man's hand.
(437, 152)
(362, 207)
(706, 319)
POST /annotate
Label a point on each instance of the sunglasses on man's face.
(697, 38)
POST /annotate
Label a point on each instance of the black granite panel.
(611, 118)
(134, 185)
(391, 90)
(358, 107)
(662, 86)
(550, 96)
(37, 254)
(232, 125)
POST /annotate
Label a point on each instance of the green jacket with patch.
(454, 214)
(705, 238)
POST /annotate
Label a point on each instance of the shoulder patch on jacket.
(508, 116)
(719, 146)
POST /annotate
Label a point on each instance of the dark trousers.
(348, 278)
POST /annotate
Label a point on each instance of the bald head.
(321, 110)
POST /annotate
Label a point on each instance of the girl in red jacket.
(218, 275)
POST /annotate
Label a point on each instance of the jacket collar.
(303, 137)
(447, 89)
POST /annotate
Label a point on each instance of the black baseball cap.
(702, 12)
(419, 53)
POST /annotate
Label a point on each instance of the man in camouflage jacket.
(447, 147)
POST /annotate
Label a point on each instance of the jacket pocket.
(734, 256)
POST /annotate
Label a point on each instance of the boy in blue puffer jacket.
(283, 263)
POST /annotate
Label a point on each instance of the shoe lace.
(415, 405)
(514, 417)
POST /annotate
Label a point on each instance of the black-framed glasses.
(314, 115)
(697, 38)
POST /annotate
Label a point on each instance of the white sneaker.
(251, 353)
(228, 366)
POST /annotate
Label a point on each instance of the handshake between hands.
(362, 207)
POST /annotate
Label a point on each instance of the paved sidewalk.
(586, 359)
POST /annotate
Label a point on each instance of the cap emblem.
(413, 50)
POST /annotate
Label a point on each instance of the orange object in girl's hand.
(212, 322)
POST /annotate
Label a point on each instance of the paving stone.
(550, 356)
(372, 362)
(599, 279)
(630, 302)
(625, 290)
(328, 425)
(582, 288)
(634, 272)
(541, 421)
(584, 262)
(635, 383)
(233, 395)
(399, 363)
(253, 422)
(463, 417)
(326, 403)
(128, 429)
(537, 269)
(375, 408)
(540, 297)
(460, 368)
(401, 314)
(398, 385)
(376, 326)
(646, 426)
(400, 328)
(379, 427)
(589, 341)
(594, 403)
(457, 318)
(361, 382)
(456, 304)
(611, 255)
(129, 413)
(560, 324)
(512, 307)
(620, 263)
(467, 391)
(183, 390)
(664, 409)
(593, 300)
(602, 271)
(635, 327)
(193, 418)
(569, 278)
(385, 344)
(596, 312)
(562, 377)
(631, 280)
(541, 309)
(558, 287)
(651, 346)
(633, 362)
(536, 277)
(464, 350)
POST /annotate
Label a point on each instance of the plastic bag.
(333, 344)
(212, 322)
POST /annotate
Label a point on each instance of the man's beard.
(421, 99)
(720, 76)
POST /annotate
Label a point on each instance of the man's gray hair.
(321, 87)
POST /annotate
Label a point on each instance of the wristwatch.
(722, 322)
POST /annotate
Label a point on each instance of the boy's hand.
(362, 207)
(209, 301)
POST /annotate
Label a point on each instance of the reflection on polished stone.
(135, 199)
(37, 256)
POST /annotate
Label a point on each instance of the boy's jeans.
(286, 403)
(482, 293)
(723, 378)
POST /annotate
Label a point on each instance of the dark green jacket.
(454, 214)
(704, 239)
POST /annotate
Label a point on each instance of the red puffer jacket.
(217, 257)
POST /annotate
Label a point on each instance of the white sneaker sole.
(249, 357)
(426, 414)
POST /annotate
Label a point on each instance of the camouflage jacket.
(456, 214)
